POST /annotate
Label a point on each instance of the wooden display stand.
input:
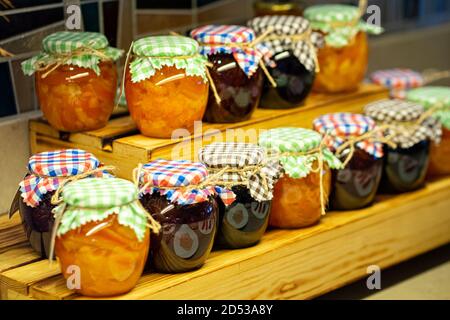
(286, 264)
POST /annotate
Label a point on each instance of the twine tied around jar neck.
(5, 53)
(59, 59)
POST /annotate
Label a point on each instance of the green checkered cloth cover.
(284, 140)
(152, 53)
(95, 199)
(65, 43)
(322, 17)
(433, 96)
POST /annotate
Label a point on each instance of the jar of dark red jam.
(235, 72)
(242, 223)
(293, 61)
(356, 185)
(405, 166)
(188, 216)
(47, 170)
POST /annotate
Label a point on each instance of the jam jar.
(102, 236)
(293, 60)
(236, 77)
(166, 85)
(301, 194)
(438, 99)
(406, 164)
(46, 172)
(398, 81)
(356, 185)
(251, 177)
(343, 60)
(76, 80)
(188, 215)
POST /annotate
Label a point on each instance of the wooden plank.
(296, 264)
(11, 231)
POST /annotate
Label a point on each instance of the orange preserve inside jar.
(107, 255)
(165, 85)
(344, 58)
(76, 95)
(297, 195)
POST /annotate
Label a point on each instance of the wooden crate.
(120, 144)
(286, 264)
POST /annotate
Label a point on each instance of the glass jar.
(343, 60)
(103, 236)
(406, 162)
(187, 234)
(33, 199)
(80, 95)
(356, 185)
(298, 199)
(235, 73)
(169, 93)
(439, 155)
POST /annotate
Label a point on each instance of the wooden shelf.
(286, 264)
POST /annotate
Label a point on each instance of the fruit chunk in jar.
(342, 69)
(296, 202)
(166, 101)
(76, 99)
(440, 155)
(110, 257)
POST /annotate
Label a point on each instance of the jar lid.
(404, 117)
(397, 78)
(340, 22)
(231, 39)
(48, 169)
(247, 163)
(82, 49)
(340, 126)
(297, 140)
(285, 35)
(433, 96)
(95, 199)
(168, 177)
(152, 53)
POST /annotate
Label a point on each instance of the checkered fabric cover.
(217, 39)
(47, 170)
(152, 53)
(288, 26)
(97, 198)
(66, 42)
(241, 155)
(281, 140)
(340, 126)
(401, 113)
(323, 16)
(397, 78)
(181, 173)
(432, 96)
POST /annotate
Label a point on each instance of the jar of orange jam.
(301, 195)
(343, 60)
(438, 99)
(166, 85)
(102, 237)
(76, 80)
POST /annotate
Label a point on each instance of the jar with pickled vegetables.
(355, 185)
(301, 194)
(46, 172)
(343, 60)
(76, 80)
(237, 80)
(244, 168)
(166, 85)
(437, 99)
(177, 195)
(398, 81)
(102, 235)
(293, 63)
(411, 131)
